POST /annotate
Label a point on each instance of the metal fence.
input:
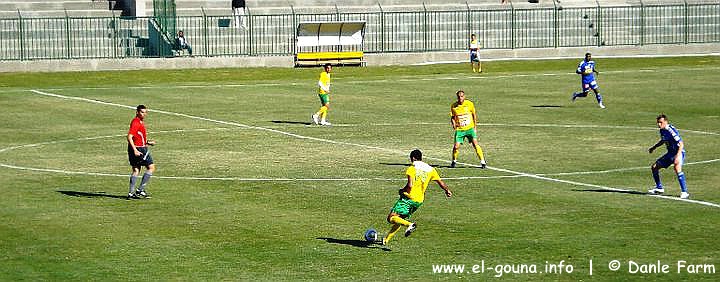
(407, 31)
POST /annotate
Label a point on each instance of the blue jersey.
(582, 67)
(672, 139)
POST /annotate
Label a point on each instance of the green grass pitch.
(246, 189)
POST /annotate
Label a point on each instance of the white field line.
(328, 179)
(355, 81)
(366, 146)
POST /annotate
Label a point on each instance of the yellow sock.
(398, 220)
(479, 152)
(323, 112)
(393, 230)
(455, 154)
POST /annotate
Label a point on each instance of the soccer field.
(247, 189)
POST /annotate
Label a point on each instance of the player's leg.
(662, 162)
(479, 152)
(459, 137)
(133, 180)
(395, 217)
(598, 96)
(323, 116)
(393, 230)
(455, 153)
(583, 93)
(150, 169)
(681, 176)
(323, 108)
(472, 61)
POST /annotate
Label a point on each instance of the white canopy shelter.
(312, 34)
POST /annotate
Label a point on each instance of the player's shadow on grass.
(354, 243)
(408, 164)
(90, 195)
(610, 191)
(291, 122)
(546, 106)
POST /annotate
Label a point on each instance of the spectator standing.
(238, 7)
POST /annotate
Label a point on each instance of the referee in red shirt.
(138, 153)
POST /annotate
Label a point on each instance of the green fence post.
(250, 32)
(687, 28)
(599, 23)
(425, 28)
(114, 35)
(67, 34)
(382, 28)
(469, 21)
(555, 24)
(295, 26)
(512, 25)
(642, 23)
(20, 35)
(206, 33)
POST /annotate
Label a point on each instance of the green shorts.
(460, 135)
(405, 207)
(324, 99)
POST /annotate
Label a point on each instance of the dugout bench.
(349, 58)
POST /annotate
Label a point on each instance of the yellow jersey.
(463, 115)
(421, 174)
(474, 46)
(324, 83)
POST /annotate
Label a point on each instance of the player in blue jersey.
(675, 155)
(586, 69)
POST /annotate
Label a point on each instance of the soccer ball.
(371, 235)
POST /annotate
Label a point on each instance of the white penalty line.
(365, 146)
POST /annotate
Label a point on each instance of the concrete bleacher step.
(58, 14)
(47, 5)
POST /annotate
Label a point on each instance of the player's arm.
(475, 120)
(405, 191)
(151, 142)
(658, 144)
(579, 69)
(132, 145)
(453, 120)
(444, 186)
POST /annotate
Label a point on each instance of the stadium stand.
(45, 31)
(55, 8)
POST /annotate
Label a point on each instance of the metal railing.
(67, 37)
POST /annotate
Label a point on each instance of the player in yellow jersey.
(419, 175)
(475, 55)
(464, 120)
(324, 93)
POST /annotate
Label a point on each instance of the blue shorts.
(669, 159)
(474, 57)
(590, 85)
(143, 160)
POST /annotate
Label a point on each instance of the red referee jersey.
(137, 129)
